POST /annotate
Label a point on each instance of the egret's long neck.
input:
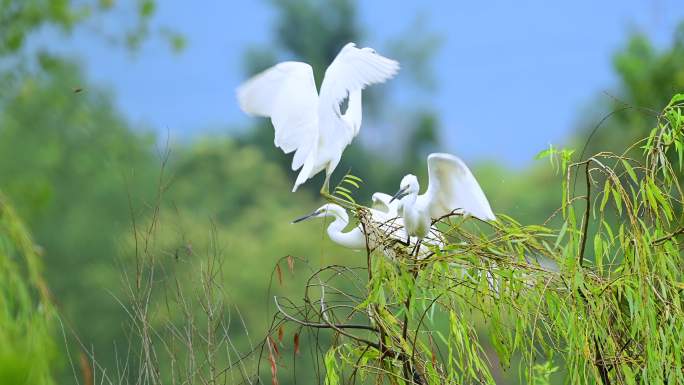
(352, 239)
(353, 114)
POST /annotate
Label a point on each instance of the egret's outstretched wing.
(383, 202)
(352, 70)
(287, 94)
(452, 186)
(352, 117)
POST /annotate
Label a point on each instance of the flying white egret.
(451, 186)
(310, 124)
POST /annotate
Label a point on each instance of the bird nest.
(389, 238)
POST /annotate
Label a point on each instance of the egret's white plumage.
(388, 229)
(384, 202)
(451, 187)
(306, 123)
(352, 239)
(388, 222)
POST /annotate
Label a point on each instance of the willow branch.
(585, 223)
(322, 325)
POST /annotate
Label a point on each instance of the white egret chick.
(313, 125)
(451, 187)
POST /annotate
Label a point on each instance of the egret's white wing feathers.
(354, 113)
(452, 186)
(308, 169)
(314, 128)
(352, 70)
(287, 94)
(383, 202)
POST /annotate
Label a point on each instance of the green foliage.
(20, 18)
(195, 266)
(27, 319)
(92, 186)
(331, 368)
(648, 78)
(71, 165)
(207, 231)
(605, 311)
(344, 189)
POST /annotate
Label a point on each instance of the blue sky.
(513, 76)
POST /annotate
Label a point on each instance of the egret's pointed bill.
(399, 194)
(307, 216)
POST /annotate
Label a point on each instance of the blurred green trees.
(648, 77)
(20, 19)
(88, 184)
(74, 168)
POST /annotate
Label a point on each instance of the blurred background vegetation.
(92, 188)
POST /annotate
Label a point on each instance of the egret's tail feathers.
(302, 153)
(301, 178)
(307, 170)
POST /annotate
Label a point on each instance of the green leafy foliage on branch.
(77, 173)
(27, 339)
(598, 299)
(345, 189)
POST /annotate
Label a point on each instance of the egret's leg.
(405, 243)
(325, 189)
(416, 248)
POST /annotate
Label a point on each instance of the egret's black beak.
(400, 194)
(307, 216)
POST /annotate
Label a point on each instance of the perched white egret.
(451, 186)
(387, 222)
(310, 124)
(353, 239)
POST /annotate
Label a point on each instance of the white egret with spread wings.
(312, 125)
